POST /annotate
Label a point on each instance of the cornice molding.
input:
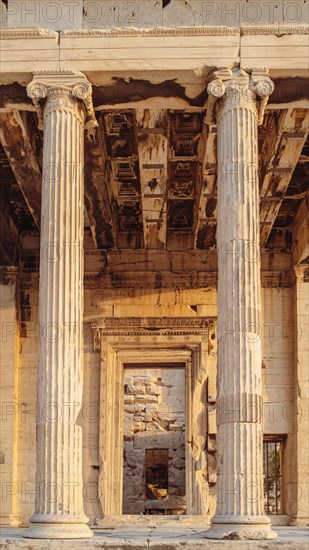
(151, 327)
(151, 330)
(11, 33)
(160, 31)
(153, 323)
(14, 33)
(275, 29)
(132, 329)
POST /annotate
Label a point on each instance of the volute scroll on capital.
(240, 88)
(62, 89)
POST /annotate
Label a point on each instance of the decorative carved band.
(173, 31)
(154, 323)
(18, 34)
(132, 329)
(62, 99)
(246, 29)
(274, 29)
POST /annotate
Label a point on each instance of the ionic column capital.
(64, 90)
(238, 88)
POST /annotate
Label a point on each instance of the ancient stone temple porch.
(154, 261)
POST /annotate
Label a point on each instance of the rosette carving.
(264, 87)
(216, 88)
(82, 90)
(36, 90)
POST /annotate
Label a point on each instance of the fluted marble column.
(240, 503)
(59, 501)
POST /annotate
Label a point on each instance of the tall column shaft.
(239, 353)
(240, 499)
(59, 503)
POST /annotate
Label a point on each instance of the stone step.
(160, 538)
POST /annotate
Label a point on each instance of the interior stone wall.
(154, 418)
(28, 299)
(9, 347)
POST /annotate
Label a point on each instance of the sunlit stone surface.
(154, 260)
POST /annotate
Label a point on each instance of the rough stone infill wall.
(154, 418)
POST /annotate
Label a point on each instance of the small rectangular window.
(272, 459)
(156, 474)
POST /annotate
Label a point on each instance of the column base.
(240, 528)
(57, 530)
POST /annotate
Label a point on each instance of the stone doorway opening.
(160, 342)
(154, 475)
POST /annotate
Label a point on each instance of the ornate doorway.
(139, 341)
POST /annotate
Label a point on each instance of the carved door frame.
(122, 341)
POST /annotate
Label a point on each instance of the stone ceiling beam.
(300, 234)
(207, 208)
(152, 152)
(14, 136)
(186, 151)
(290, 133)
(96, 195)
(10, 238)
(118, 138)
